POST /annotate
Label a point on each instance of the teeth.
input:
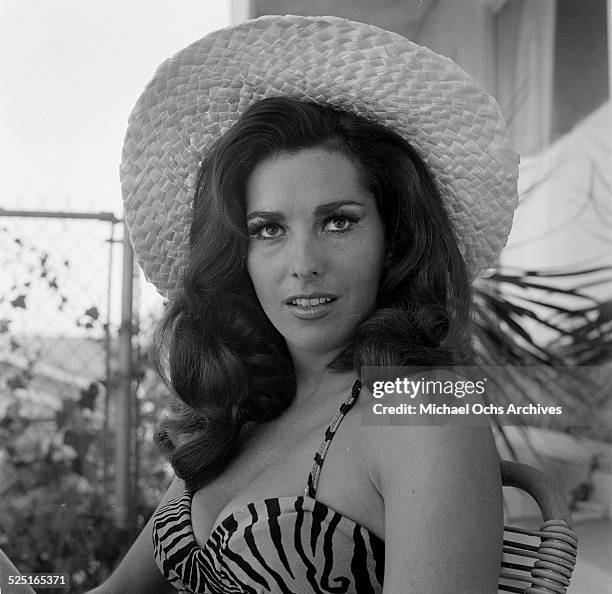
(311, 302)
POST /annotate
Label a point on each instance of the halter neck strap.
(319, 457)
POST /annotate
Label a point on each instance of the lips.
(311, 306)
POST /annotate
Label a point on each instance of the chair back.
(538, 561)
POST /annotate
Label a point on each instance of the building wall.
(459, 29)
(463, 32)
(400, 16)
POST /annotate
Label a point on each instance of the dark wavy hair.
(227, 364)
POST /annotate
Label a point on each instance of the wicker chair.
(541, 561)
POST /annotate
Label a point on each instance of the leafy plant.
(56, 511)
(548, 341)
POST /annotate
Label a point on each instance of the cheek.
(363, 269)
(375, 251)
(255, 272)
(261, 274)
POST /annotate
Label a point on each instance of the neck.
(315, 380)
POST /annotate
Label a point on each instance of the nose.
(306, 259)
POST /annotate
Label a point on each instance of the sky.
(71, 72)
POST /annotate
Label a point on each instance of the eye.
(338, 224)
(270, 231)
(260, 229)
(341, 221)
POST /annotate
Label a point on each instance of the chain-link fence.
(78, 404)
(56, 305)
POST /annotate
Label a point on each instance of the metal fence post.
(123, 422)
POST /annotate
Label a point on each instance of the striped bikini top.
(282, 544)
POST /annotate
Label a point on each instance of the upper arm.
(138, 572)
(8, 569)
(443, 509)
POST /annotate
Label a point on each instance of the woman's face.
(317, 247)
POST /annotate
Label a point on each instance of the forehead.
(303, 179)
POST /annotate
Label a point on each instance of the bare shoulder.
(443, 512)
(430, 458)
(432, 454)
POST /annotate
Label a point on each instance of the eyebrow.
(320, 211)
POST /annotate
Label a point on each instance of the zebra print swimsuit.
(283, 544)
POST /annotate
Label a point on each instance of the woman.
(351, 183)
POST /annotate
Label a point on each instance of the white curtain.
(524, 42)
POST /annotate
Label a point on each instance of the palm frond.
(541, 334)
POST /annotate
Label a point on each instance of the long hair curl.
(216, 349)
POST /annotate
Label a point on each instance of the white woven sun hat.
(198, 94)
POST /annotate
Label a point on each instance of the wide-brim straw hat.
(198, 94)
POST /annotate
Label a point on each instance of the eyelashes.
(348, 215)
(256, 227)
